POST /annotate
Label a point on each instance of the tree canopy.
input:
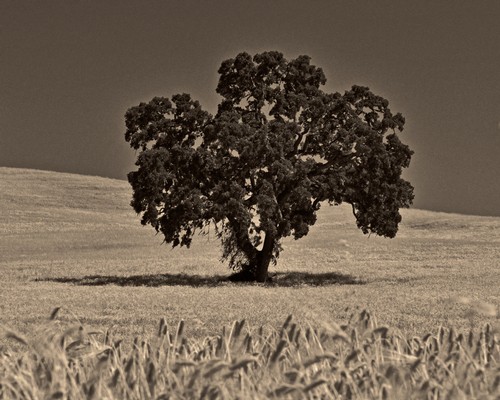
(259, 170)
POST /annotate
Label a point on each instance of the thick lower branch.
(243, 239)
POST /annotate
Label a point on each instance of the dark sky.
(70, 69)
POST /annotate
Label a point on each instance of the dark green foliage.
(260, 168)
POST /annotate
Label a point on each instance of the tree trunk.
(264, 258)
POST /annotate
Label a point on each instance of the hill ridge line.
(55, 174)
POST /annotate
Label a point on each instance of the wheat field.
(73, 241)
(360, 359)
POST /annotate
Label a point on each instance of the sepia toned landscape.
(249, 200)
(73, 242)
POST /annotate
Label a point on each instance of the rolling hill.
(75, 241)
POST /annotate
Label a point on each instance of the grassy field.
(74, 241)
(358, 360)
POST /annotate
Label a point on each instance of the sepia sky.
(69, 69)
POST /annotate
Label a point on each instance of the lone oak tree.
(259, 169)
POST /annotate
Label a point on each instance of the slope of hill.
(35, 202)
(74, 240)
(51, 214)
(31, 197)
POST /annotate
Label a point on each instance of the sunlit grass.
(57, 230)
(360, 359)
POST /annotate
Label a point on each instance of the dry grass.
(361, 359)
(74, 240)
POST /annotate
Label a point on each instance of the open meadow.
(74, 242)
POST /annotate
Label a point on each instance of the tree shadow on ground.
(279, 279)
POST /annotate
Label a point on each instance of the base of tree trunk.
(246, 275)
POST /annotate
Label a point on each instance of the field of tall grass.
(74, 242)
(360, 359)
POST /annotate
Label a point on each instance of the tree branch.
(244, 242)
(298, 141)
